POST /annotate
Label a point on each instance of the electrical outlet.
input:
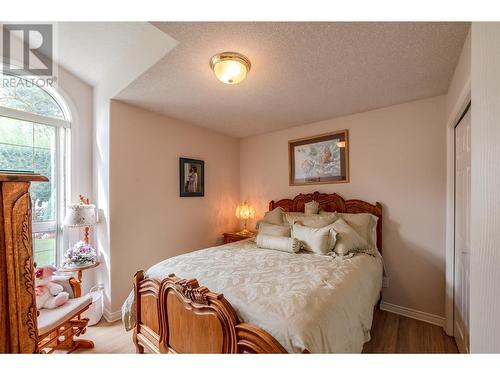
(385, 282)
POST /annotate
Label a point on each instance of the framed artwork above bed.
(321, 159)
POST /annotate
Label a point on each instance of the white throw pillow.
(311, 208)
(274, 230)
(348, 240)
(364, 224)
(287, 244)
(318, 240)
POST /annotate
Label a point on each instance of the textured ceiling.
(301, 72)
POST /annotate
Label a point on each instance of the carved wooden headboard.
(331, 203)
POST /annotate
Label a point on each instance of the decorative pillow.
(292, 217)
(364, 224)
(323, 212)
(257, 224)
(274, 217)
(318, 240)
(287, 244)
(317, 221)
(274, 230)
(348, 240)
(311, 208)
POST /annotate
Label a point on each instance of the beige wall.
(149, 221)
(113, 79)
(397, 157)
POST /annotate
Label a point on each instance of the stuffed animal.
(49, 295)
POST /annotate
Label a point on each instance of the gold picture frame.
(320, 159)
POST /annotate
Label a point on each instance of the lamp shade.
(80, 215)
(245, 211)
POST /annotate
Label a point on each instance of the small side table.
(236, 236)
(78, 270)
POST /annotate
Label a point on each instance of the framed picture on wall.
(322, 159)
(191, 177)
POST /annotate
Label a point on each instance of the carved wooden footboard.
(179, 316)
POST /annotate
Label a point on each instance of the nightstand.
(78, 269)
(233, 237)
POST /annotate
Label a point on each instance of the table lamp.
(244, 212)
(83, 215)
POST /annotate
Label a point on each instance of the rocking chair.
(58, 327)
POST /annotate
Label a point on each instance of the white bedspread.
(306, 301)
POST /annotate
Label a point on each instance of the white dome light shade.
(230, 67)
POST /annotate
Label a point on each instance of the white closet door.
(462, 232)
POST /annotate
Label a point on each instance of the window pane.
(16, 145)
(16, 132)
(17, 93)
(44, 248)
(29, 147)
(43, 194)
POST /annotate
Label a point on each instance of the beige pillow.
(291, 217)
(318, 240)
(317, 221)
(274, 217)
(323, 212)
(348, 240)
(274, 230)
(287, 244)
(311, 208)
(364, 224)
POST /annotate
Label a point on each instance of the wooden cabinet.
(18, 325)
(233, 237)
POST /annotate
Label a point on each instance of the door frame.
(460, 107)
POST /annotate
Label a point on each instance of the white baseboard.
(112, 316)
(412, 313)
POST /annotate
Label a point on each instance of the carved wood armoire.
(18, 325)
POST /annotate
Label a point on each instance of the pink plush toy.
(49, 295)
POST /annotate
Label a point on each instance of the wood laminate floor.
(391, 333)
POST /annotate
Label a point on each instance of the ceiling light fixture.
(230, 67)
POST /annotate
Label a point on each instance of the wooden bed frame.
(179, 316)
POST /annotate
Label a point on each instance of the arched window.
(34, 127)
